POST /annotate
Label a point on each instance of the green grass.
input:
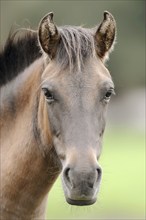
(122, 191)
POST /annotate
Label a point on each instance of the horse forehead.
(91, 76)
(92, 73)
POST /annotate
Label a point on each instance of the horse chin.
(81, 202)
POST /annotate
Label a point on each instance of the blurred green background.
(122, 194)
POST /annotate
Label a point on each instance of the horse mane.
(22, 49)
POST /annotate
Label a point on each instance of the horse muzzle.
(81, 187)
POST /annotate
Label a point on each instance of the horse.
(54, 90)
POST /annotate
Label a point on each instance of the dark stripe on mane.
(20, 50)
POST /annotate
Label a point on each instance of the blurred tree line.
(127, 62)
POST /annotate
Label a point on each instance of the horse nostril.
(99, 173)
(96, 177)
(66, 174)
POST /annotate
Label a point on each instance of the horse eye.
(108, 95)
(48, 94)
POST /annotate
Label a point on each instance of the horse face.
(76, 103)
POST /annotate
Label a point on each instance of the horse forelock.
(76, 45)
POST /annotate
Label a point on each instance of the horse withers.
(55, 91)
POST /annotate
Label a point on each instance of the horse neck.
(32, 161)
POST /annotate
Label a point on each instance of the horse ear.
(48, 35)
(105, 35)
